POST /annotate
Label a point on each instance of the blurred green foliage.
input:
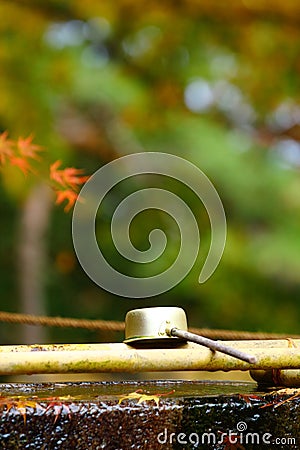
(216, 84)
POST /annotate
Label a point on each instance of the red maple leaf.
(22, 163)
(59, 405)
(6, 147)
(20, 404)
(19, 153)
(69, 177)
(68, 195)
(27, 148)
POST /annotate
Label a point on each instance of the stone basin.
(148, 415)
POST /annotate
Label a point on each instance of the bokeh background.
(214, 82)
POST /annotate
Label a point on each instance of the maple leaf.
(6, 147)
(144, 397)
(250, 397)
(227, 444)
(294, 393)
(58, 405)
(69, 177)
(55, 174)
(19, 154)
(27, 148)
(68, 195)
(20, 404)
(22, 163)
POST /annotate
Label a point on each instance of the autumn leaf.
(58, 405)
(69, 177)
(228, 444)
(247, 398)
(6, 147)
(72, 178)
(293, 393)
(20, 404)
(69, 196)
(27, 148)
(141, 397)
(22, 163)
(19, 153)
(55, 174)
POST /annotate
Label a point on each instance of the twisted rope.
(28, 319)
(110, 325)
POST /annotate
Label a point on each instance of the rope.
(232, 335)
(28, 319)
(109, 325)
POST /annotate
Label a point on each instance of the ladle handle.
(213, 345)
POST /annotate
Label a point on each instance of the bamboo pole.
(277, 377)
(93, 358)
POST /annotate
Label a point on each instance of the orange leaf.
(28, 149)
(20, 403)
(68, 195)
(138, 395)
(6, 147)
(69, 177)
(22, 163)
(60, 404)
(55, 174)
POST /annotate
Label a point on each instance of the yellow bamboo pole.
(88, 358)
(277, 377)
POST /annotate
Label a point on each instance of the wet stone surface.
(151, 415)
